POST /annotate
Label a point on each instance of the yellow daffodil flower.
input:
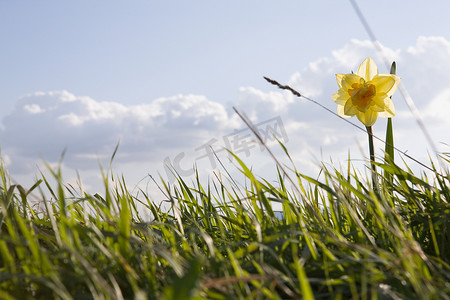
(366, 94)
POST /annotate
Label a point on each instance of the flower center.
(362, 95)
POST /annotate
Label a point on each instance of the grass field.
(337, 239)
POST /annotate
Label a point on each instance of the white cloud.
(33, 108)
(47, 122)
(438, 110)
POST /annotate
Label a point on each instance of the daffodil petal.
(350, 109)
(377, 108)
(340, 97)
(348, 80)
(368, 69)
(340, 111)
(339, 79)
(378, 102)
(384, 83)
(389, 110)
(385, 114)
(395, 86)
(368, 118)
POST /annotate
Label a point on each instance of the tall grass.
(337, 238)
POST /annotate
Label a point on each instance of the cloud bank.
(43, 124)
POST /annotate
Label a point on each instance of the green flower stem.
(372, 158)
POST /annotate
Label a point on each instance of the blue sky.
(136, 51)
(161, 76)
